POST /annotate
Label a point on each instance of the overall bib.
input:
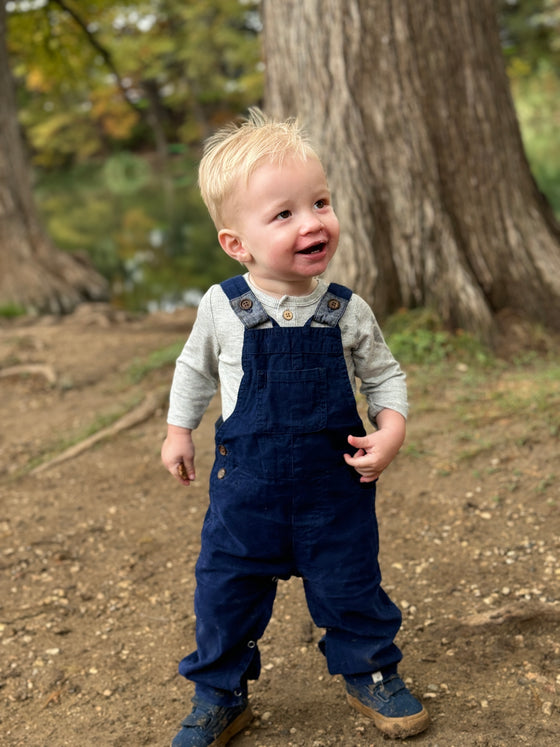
(283, 503)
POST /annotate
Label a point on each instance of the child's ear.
(232, 245)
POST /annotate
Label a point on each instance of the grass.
(480, 412)
(102, 420)
(470, 379)
(417, 337)
(546, 483)
(11, 311)
(136, 372)
(167, 356)
(475, 450)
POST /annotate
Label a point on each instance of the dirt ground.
(98, 554)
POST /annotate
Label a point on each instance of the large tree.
(409, 104)
(34, 274)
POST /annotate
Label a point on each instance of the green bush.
(418, 336)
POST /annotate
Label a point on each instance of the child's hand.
(377, 450)
(177, 454)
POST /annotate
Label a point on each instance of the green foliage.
(60, 76)
(130, 74)
(537, 99)
(530, 32)
(531, 42)
(418, 337)
(125, 173)
(118, 80)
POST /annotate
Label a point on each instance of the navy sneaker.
(210, 725)
(387, 700)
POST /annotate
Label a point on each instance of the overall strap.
(332, 305)
(244, 302)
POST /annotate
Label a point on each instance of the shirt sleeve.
(195, 380)
(383, 382)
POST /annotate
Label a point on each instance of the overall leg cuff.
(223, 698)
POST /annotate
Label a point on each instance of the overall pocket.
(292, 401)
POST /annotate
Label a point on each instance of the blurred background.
(115, 99)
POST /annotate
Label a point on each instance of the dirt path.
(97, 557)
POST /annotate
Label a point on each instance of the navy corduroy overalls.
(283, 503)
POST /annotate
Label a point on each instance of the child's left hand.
(377, 450)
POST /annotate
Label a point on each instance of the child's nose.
(311, 222)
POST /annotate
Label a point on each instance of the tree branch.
(96, 44)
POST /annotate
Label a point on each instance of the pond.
(145, 229)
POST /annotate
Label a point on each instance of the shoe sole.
(243, 720)
(395, 728)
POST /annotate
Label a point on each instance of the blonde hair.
(232, 154)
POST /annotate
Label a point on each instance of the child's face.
(284, 229)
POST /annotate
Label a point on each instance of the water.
(145, 230)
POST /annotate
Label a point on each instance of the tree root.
(513, 612)
(30, 369)
(139, 414)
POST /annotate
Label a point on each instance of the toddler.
(292, 489)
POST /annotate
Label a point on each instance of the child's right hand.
(177, 454)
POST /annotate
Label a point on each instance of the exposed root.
(514, 612)
(139, 414)
(30, 369)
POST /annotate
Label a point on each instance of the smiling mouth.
(314, 249)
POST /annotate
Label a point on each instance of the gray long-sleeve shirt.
(212, 354)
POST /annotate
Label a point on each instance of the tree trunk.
(34, 275)
(410, 107)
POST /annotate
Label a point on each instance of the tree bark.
(409, 105)
(34, 274)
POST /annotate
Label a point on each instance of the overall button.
(246, 304)
(334, 304)
(222, 449)
(288, 315)
(251, 644)
(221, 474)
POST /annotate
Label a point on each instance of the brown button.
(245, 304)
(334, 304)
(288, 315)
(222, 449)
(221, 474)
